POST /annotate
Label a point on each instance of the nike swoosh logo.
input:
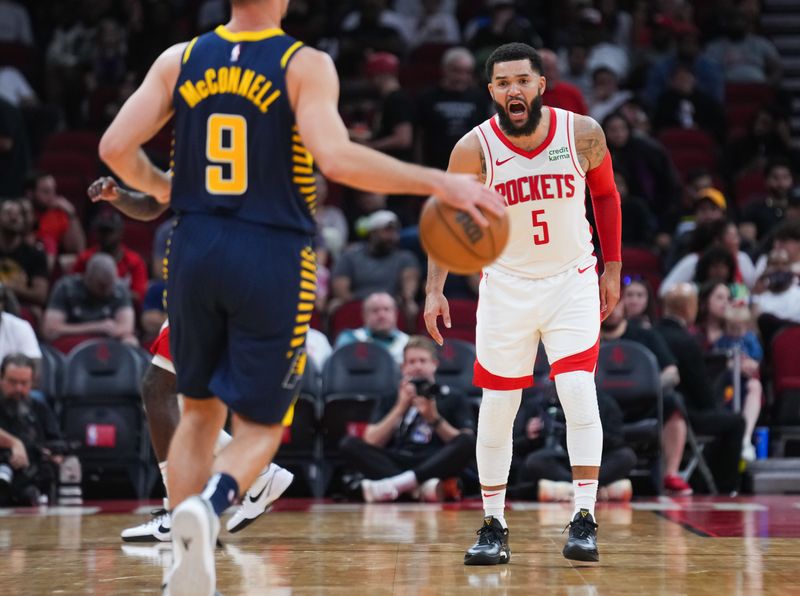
(497, 162)
(491, 494)
(162, 529)
(584, 270)
(255, 498)
(585, 483)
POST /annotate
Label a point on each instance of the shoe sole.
(195, 574)
(482, 559)
(281, 484)
(579, 554)
(146, 539)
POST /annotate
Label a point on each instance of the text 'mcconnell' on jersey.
(236, 145)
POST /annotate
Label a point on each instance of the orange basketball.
(453, 239)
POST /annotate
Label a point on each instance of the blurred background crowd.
(698, 101)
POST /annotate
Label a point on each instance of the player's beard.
(534, 117)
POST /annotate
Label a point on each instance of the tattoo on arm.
(138, 205)
(482, 177)
(590, 142)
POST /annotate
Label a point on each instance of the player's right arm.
(313, 87)
(467, 158)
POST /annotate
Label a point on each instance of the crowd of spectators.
(688, 95)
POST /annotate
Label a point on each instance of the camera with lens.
(554, 426)
(426, 388)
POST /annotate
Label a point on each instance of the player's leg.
(506, 351)
(571, 339)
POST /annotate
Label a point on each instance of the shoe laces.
(581, 527)
(158, 517)
(488, 533)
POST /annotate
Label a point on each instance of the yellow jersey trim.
(247, 35)
(288, 53)
(188, 50)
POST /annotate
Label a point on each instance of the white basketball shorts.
(514, 313)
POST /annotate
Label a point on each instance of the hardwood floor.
(692, 546)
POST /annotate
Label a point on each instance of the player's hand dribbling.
(436, 304)
(463, 191)
(103, 189)
(609, 288)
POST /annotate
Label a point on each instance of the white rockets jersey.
(545, 194)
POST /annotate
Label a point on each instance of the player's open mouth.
(517, 109)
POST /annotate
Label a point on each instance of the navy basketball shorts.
(239, 300)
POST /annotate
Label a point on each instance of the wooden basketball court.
(669, 546)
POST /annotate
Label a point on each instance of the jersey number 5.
(226, 149)
(541, 234)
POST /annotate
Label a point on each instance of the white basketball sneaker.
(155, 530)
(266, 489)
(195, 527)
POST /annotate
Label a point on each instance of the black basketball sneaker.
(491, 548)
(582, 542)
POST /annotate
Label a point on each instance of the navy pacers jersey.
(237, 151)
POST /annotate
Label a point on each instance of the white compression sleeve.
(578, 396)
(495, 435)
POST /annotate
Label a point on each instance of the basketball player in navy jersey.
(251, 107)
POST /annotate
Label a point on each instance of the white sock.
(585, 495)
(405, 482)
(162, 466)
(222, 440)
(494, 504)
(494, 446)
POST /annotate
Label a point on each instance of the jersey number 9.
(226, 149)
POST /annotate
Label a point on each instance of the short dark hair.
(19, 360)
(513, 51)
(713, 256)
(788, 230)
(420, 342)
(778, 162)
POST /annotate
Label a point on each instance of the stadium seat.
(78, 141)
(51, 376)
(629, 373)
(749, 185)
(69, 163)
(66, 343)
(786, 389)
(355, 378)
(103, 411)
(347, 316)
(641, 263)
(462, 317)
(677, 139)
(456, 364)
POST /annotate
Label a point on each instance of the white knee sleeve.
(495, 435)
(578, 396)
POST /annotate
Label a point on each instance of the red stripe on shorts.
(483, 378)
(585, 361)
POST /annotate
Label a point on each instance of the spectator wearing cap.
(451, 109)
(558, 93)
(709, 205)
(94, 304)
(761, 217)
(59, 228)
(377, 265)
(131, 268)
(23, 268)
(379, 312)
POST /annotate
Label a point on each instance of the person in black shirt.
(706, 414)
(540, 438)
(616, 326)
(27, 427)
(23, 268)
(422, 436)
(762, 216)
(393, 131)
(451, 109)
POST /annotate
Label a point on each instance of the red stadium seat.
(687, 138)
(750, 185)
(80, 141)
(69, 163)
(462, 317)
(786, 364)
(640, 263)
(347, 316)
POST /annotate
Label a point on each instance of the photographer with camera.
(31, 447)
(418, 439)
(540, 445)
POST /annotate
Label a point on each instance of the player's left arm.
(139, 119)
(595, 160)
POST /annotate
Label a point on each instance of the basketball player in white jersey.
(544, 286)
